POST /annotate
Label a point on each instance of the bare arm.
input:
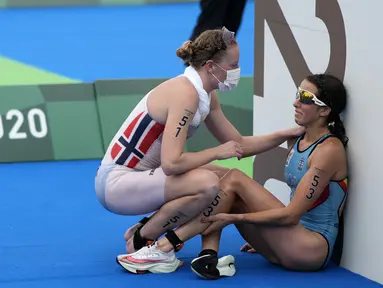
(253, 145)
(323, 167)
(181, 111)
(224, 131)
(219, 125)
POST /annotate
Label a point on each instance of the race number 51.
(35, 120)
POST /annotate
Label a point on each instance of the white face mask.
(232, 79)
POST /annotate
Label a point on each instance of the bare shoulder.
(331, 147)
(175, 93)
(331, 154)
(175, 90)
(182, 89)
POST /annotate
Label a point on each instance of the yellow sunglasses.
(307, 97)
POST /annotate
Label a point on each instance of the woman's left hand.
(297, 131)
(218, 222)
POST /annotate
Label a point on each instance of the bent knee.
(235, 174)
(232, 178)
(207, 183)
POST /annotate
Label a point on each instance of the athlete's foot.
(149, 259)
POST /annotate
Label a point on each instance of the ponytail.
(336, 127)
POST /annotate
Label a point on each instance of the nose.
(296, 103)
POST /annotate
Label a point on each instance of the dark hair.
(333, 93)
(209, 45)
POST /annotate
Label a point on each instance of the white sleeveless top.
(137, 144)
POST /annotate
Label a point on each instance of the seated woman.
(299, 236)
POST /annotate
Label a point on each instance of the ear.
(209, 66)
(324, 111)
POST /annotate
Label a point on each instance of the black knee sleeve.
(174, 240)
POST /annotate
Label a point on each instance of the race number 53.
(35, 119)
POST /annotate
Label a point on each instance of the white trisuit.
(130, 180)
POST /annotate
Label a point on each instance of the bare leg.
(220, 171)
(249, 231)
(221, 204)
(173, 186)
(211, 241)
(186, 196)
(300, 249)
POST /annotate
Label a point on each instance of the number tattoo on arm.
(182, 123)
(314, 184)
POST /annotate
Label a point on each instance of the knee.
(208, 184)
(231, 180)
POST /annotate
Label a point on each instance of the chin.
(299, 120)
(300, 123)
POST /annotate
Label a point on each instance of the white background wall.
(363, 247)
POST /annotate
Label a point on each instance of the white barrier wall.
(294, 38)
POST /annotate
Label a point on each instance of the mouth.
(297, 113)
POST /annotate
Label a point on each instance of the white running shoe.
(149, 259)
(226, 266)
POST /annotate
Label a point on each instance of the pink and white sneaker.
(149, 259)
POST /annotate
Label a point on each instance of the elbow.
(294, 221)
(172, 165)
(241, 140)
(291, 219)
(169, 168)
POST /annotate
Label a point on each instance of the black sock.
(208, 252)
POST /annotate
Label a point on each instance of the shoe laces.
(149, 252)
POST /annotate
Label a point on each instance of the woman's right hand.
(229, 150)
